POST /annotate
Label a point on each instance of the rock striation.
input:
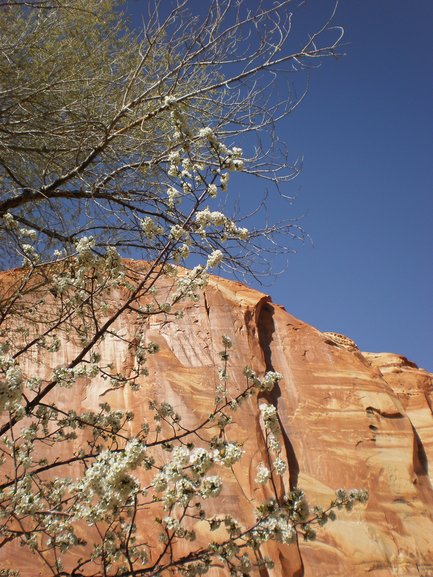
(349, 419)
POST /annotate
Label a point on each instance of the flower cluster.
(347, 498)
(64, 377)
(214, 259)
(11, 383)
(277, 520)
(190, 285)
(206, 219)
(233, 160)
(185, 475)
(9, 221)
(150, 228)
(227, 452)
(73, 281)
(230, 158)
(182, 132)
(210, 487)
(263, 474)
(266, 384)
(270, 417)
(31, 256)
(270, 380)
(173, 195)
(107, 484)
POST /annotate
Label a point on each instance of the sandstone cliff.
(349, 419)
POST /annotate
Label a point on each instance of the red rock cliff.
(349, 419)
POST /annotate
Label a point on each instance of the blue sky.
(365, 192)
(365, 131)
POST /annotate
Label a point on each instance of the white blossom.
(183, 251)
(270, 380)
(206, 217)
(280, 466)
(208, 133)
(84, 247)
(172, 195)
(274, 443)
(11, 382)
(214, 259)
(9, 220)
(177, 232)
(224, 180)
(109, 480)
(169, 100)
(170, 523)
(210, 487)
(30, 254)
(263, 474)
(29, 233)
(270, 417)
(150, 228)
(187, 164)
(172, 170)
(174, 157)
(186, 187)
(201, 461)
(231, 454)
(242, 233)
(245, 564)
(185, 174)
(212, 190)
(65, 377)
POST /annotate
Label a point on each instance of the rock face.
(349, 419)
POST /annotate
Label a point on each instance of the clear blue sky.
(365, 131)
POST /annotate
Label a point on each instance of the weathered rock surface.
(350, 419)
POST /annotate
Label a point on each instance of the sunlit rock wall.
(349, 419)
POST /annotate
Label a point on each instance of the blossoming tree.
(114, 142)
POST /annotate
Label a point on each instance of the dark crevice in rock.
(206, 304)
(266, 328)
(384, 414)
(420, 460)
